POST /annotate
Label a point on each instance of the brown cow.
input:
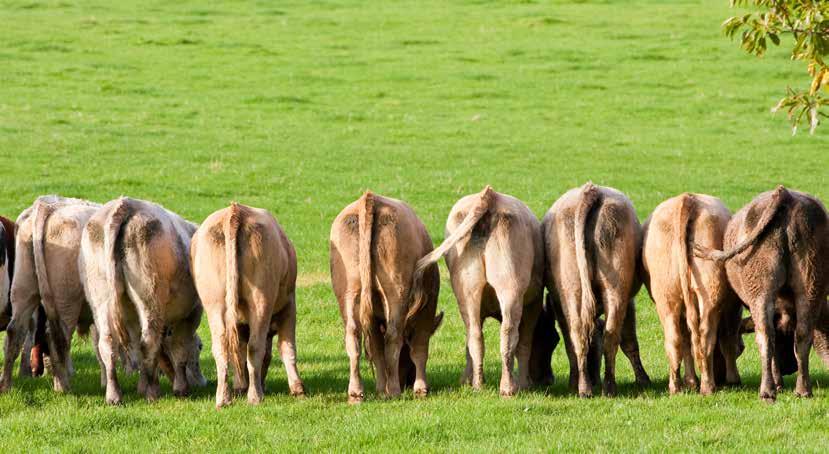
(47, 246)
(7, 229)
(135, 269)
(777, 260)
(592, 239)
(784, 341)
(375, 244)
(691, 294)
(245, 271)
(493, 251)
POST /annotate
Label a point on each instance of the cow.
(245, 272)
(592, 241)
(494, 254)
(135, 268)
(375, 243)
(7, 230)
(692, 295)
(784, 341)
(776, 254)
(47, 246)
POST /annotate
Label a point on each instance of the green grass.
(300, 106)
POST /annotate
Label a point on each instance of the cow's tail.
(681, 259)
(778, 197)
(588, 198)
(469, 222)
(230, 226)
(41, 214)
(366, 221)
(112, 228)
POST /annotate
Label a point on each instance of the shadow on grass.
(329, 374)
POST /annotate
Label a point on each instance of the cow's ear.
(438, 321)
(747, 326)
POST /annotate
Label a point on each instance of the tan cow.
(495, 258)
(47, 244)
(592, 239)
(777, 259)
(135, 268)
(375, 244)
(691, 294)
(245, 272)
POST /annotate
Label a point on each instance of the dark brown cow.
(777, 259)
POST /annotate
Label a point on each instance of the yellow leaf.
(817, 82)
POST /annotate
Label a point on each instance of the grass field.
(300, 106)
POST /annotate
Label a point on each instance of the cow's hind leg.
(579, 340)
(419, 352)
(568, 348)
(730, 341)
(806, 315)
(707, 342)
(215, 315)
(352, 346)
(615, 311)
(691, 379)
(152, 330)
(395, 298)
(762, 311)
(526, 328)
(109, 355)
(630, 345)
(469, 304)
(286, 330)
(16, 332)
(673, 340)
(260, 319)
(511, 302)
(376, 352)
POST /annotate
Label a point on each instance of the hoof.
(254, 400)
(644, 382)
(114, 399)
(508, 393)
(181, 393)
(768, 397)
(421, 393)
(298, 389)
(299, 394)
(806, 394)
(609, 390)
(4, 387)
(220, 405)
(152, 394)
(222, 402)
(355, 398)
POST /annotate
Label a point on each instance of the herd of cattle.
(137, 277)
